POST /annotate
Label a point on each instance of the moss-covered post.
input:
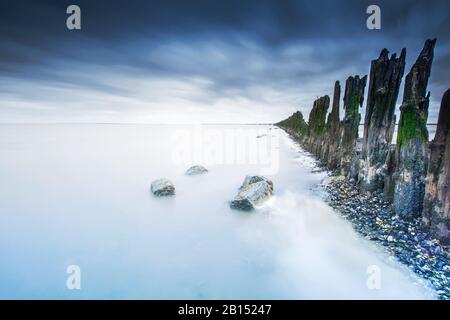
(412, 137)
(317, 125)
(353, 100)
(389, 171)
(295, 125)
(332, 139)
(436, 206)
(384, 85)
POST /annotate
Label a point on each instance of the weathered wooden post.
(384, 85)
(353, 100)
(412, 139)
(333, 136)
(436, 206)
(317, 125)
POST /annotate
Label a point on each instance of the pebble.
(373, 218)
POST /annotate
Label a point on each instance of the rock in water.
(412, 139)
(162, 187)
(436, 206)
(254, 191)
(253, 179)
(194, 170)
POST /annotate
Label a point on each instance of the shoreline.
(412, 171)
(373, 218)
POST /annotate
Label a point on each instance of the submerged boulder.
(254, 191)
(162, 187)
(194, 170)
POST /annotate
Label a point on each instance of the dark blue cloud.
(278, 55)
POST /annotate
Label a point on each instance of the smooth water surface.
(80, 195)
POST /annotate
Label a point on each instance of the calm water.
(79, 195)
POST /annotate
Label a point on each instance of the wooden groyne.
(413, 173)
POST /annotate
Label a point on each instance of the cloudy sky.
(200, 61)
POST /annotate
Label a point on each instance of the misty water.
(80, 195)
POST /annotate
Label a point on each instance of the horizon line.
(138, 123)
(159, 123)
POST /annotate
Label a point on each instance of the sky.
(189, 61)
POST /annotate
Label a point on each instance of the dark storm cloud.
(280, 53)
